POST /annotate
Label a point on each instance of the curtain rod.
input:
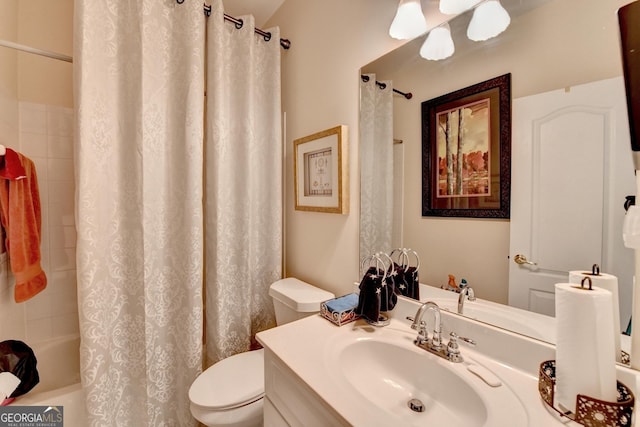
(381, 85)
(40, 52)
(285, 43)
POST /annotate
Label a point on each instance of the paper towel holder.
(595, 271)
(586, 278)
(589, 411)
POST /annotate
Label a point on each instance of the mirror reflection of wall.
(556, 46)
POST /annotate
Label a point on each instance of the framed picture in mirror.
(321, 179)
(466, 151)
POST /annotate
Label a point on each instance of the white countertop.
(305, 346)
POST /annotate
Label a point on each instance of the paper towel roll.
(585, 348)
(610, 283)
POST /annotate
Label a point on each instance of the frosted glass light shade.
(409, 21)
(454, 7)
(439, 44)
(488, 20)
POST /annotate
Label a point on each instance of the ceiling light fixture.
(439, 44)
(489, 19)
(409, 21)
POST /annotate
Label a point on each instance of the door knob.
(521, 259)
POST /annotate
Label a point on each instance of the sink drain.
(416, 405)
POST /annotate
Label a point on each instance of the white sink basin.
(391, 371)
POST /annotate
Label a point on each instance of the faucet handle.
(453, 351)
(471, 296)
(469, 341)
(415, 325)
(423, 336)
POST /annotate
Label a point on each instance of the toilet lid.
(230, 383)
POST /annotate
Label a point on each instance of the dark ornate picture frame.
(478, 184)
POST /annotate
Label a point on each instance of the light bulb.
(409, 21)
(439, 44)
(488, 20)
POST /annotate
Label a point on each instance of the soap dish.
(341, 310)
(589, 411)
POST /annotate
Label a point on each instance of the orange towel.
(20, 215)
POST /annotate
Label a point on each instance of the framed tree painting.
(466, 151)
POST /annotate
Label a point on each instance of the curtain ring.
(239, 24)
(180, 1)
(267, 37)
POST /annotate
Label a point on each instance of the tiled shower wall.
(45, 134)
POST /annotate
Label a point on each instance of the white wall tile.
(62, 237)
(46, 136)
(61, 213)
(63, 280)
(63, 259)
(64, 302)
(39, 329)
(33, 118)
(59, 192)
(59, 121)
(33, 144)
(12, 315)
(60, 147)
(40, 307)
(65, 325)
(12, 320)
(60, 170)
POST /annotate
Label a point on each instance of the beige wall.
(8, 73)
(333, 39)
(47, 25)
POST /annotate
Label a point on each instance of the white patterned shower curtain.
(376, 167)
(139, 71)
(243, 180)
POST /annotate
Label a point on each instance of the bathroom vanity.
(319, 374)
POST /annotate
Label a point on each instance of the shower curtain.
(139, 83)
(144, 217)
(244, 184)
(376, 167)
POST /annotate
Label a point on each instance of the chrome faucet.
(434, 345)
(467, 292)
(419, 325)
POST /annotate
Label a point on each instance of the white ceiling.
(262, 10)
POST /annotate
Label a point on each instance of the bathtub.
(59, 370)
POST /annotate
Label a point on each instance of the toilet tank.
(294, 299)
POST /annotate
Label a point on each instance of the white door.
(571, 170)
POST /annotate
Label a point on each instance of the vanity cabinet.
(289, 401)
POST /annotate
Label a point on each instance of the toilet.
(230, 393)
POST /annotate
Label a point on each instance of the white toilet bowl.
(230, 393)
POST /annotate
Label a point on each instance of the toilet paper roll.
(585, 349)
(8, 384)
(610, 283)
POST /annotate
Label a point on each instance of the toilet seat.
(231, 383)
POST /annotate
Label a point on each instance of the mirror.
(550, 46)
